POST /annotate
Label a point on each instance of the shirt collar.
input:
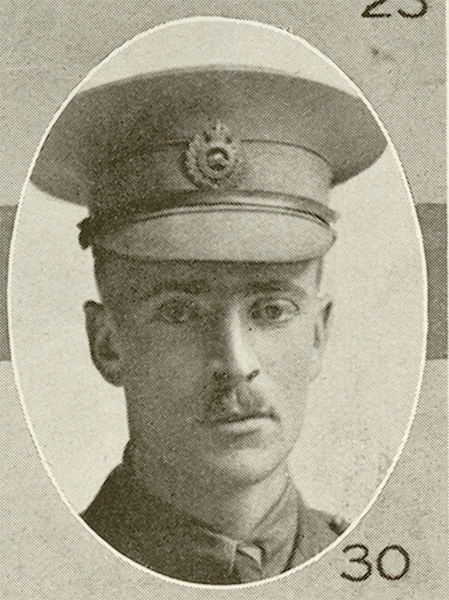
(269, 547)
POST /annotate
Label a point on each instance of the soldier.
(208, 192)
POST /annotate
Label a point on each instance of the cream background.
(47, 47)
(214, 41)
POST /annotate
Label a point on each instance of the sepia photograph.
(204, 156)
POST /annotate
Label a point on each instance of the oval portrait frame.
(35, 223)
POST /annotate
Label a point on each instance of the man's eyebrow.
(275, 285)
(197, 287)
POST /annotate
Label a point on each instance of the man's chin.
(209, 467)
(243, 467)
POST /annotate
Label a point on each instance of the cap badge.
(214, 158)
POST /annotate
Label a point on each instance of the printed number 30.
(369, 14)
(368, 567)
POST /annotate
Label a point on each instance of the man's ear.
(103, 341)
(321, 334)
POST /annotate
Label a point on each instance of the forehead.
(122, 276)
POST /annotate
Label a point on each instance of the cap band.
(163, 172)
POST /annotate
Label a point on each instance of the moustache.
(225, 405)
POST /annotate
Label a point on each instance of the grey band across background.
(433, 221)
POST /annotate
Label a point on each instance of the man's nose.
(233, 359)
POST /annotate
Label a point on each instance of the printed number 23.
(369, 14)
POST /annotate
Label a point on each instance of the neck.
(232, 510)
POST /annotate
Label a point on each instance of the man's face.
(215, 360)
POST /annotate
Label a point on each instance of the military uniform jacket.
(152, 534)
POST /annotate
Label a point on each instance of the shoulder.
(136, 523)
(336, 524)
(328, 525)
(316, 531)
(108, 511)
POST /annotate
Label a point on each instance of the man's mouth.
(236, 426)
(241, 421)
(238, 418)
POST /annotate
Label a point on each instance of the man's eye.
(274, 311)
(178, 311)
